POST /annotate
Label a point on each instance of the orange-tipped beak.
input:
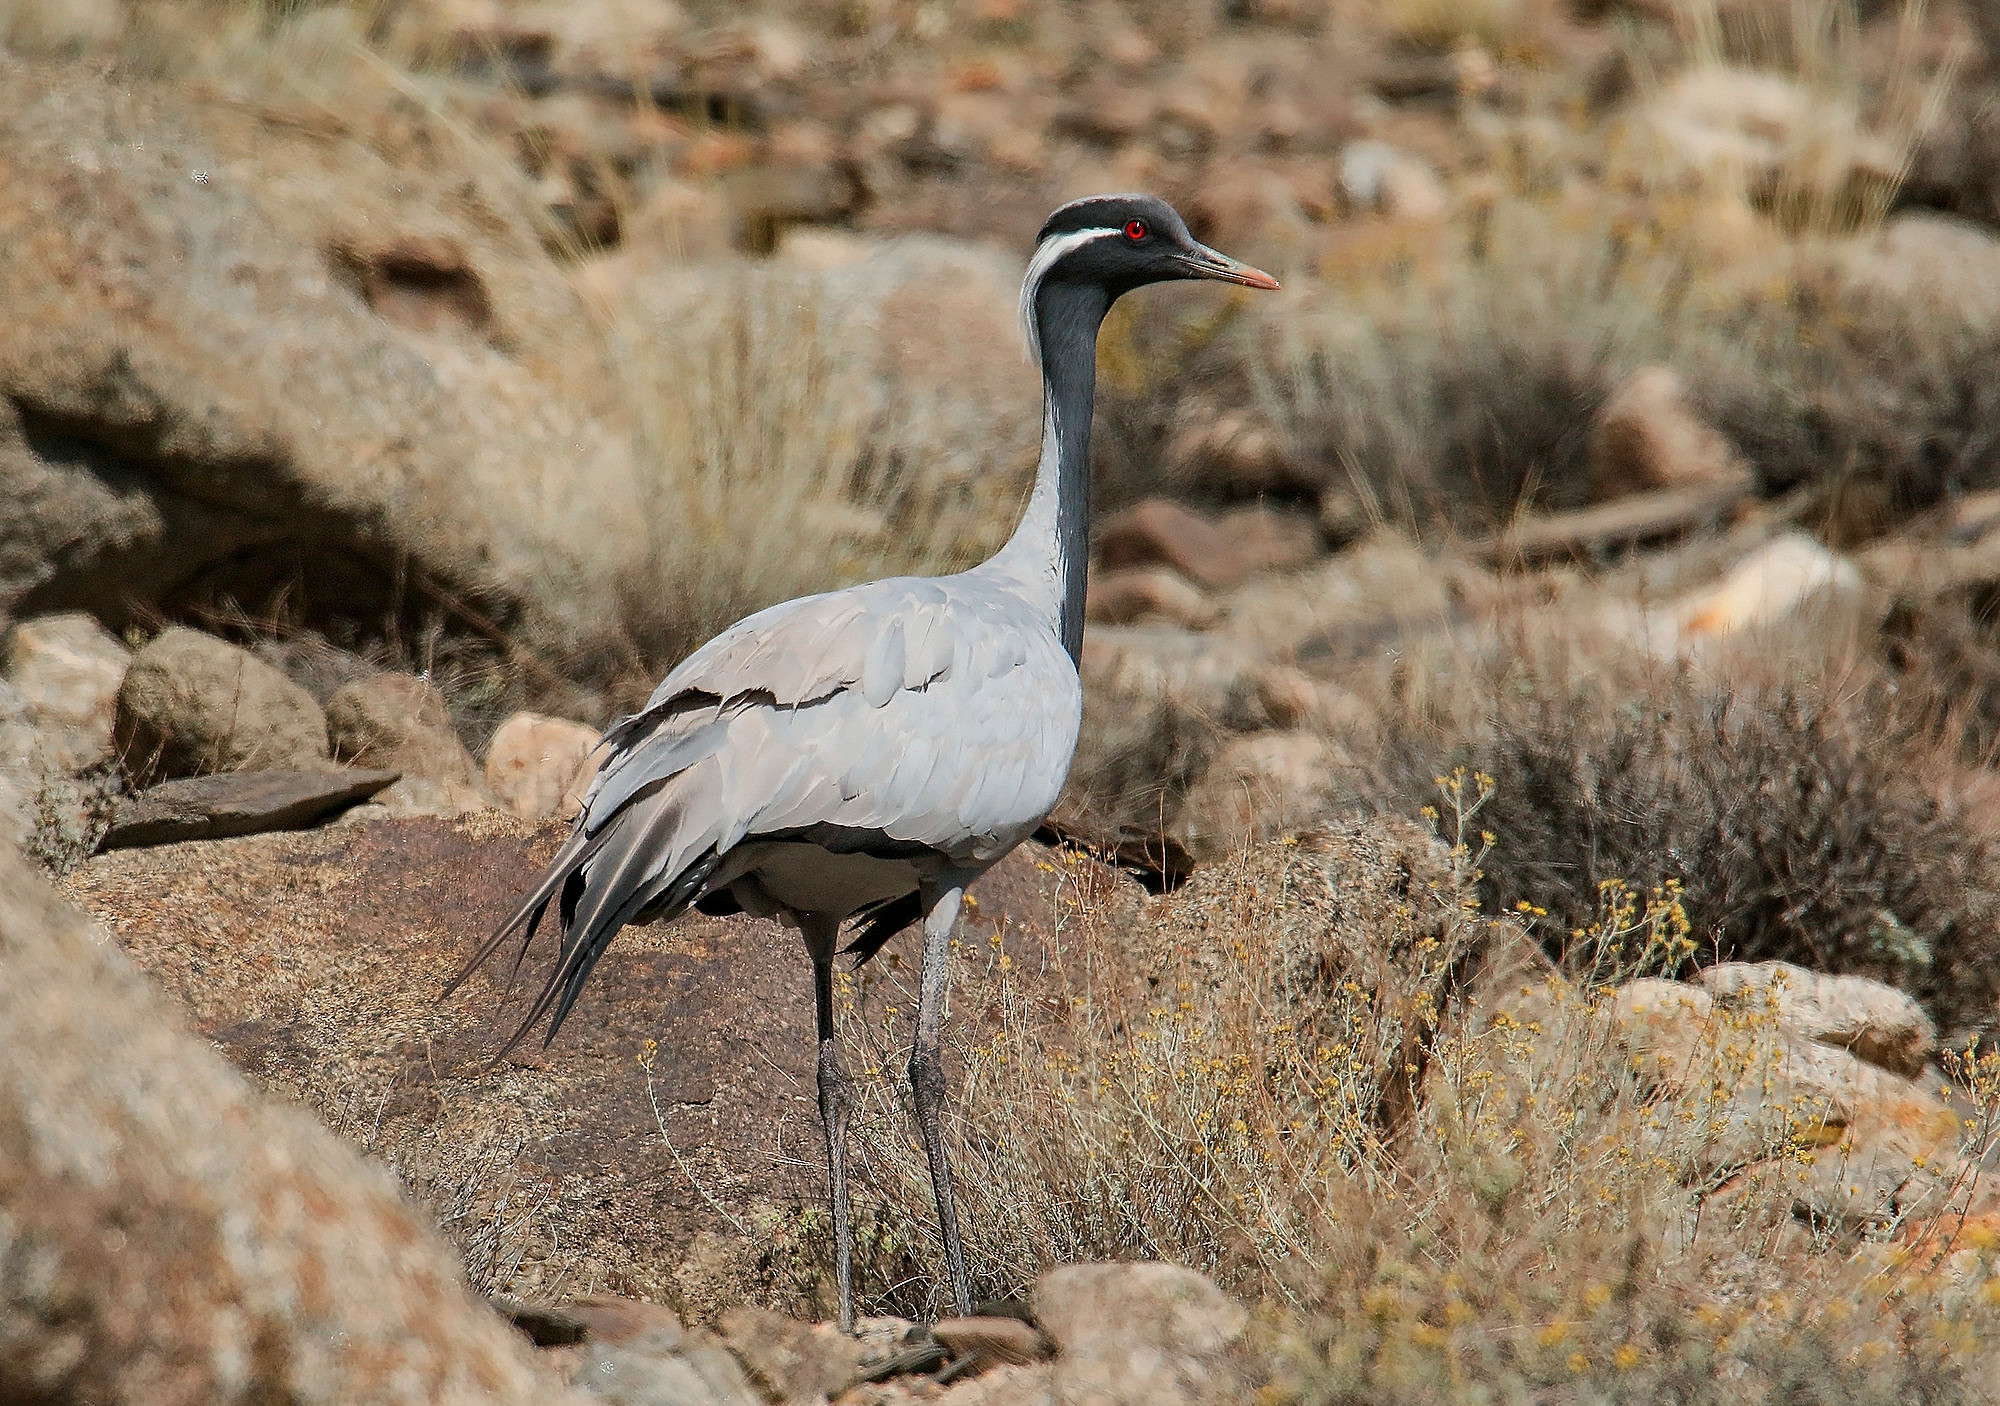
(1223, 269)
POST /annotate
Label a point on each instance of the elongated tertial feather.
(527, 916)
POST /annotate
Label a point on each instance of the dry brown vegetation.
(1443, 1188)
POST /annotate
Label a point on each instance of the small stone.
(1648, 437)
(539, 766)
(1125, 595)
(994, 1339)
(237, 803)
(1158, 532)
(792, 1361)
(1376, 177)
(67, 669)
(398, 722)
(1342, 517)
(191, 704)
(1778, 579)
(1143, 1334)
(1269, 540)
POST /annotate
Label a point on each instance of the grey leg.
(941, 900)
(821, 935)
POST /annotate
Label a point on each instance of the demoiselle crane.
(866, 753)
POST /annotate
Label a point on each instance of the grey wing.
(965, 765)
(929, 711)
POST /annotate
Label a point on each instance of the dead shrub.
(1798, 819)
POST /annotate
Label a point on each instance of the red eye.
(1135, 230)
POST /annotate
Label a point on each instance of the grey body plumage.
(866, 753)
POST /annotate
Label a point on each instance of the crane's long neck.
(1048, 555)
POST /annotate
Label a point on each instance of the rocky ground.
(1526, 914)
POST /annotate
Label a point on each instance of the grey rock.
(67, 669)
(192, 704)
(167, 1236)
(639, 1354)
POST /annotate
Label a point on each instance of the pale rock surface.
(1930, 273)
(1760, 135)
(169, 1238)
(1647, 437)
(399, 722)
(1140, 1335)
(1257, 787)
(790, 1360)
(67, 669)
(639, 1354)
(23, 765)
(1876, 1021)
(191, 704)
(1876, 1144)
(209, 305)
(1378, 178)
(537, 765)
(1372, 597)
(1269, 540)
(1789, 578)
(1771, 583)
(1032, 1384)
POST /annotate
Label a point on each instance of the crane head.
(1124, 242)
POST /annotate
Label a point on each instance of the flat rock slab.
(314, 959)
(237, 803)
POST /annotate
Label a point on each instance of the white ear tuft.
(1047, 253)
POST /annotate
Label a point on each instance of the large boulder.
(1876, 1021)
(191, 704)
(248, 352)
(1754, 1084)
(168, 1237)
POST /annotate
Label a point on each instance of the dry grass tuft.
(773, 459)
